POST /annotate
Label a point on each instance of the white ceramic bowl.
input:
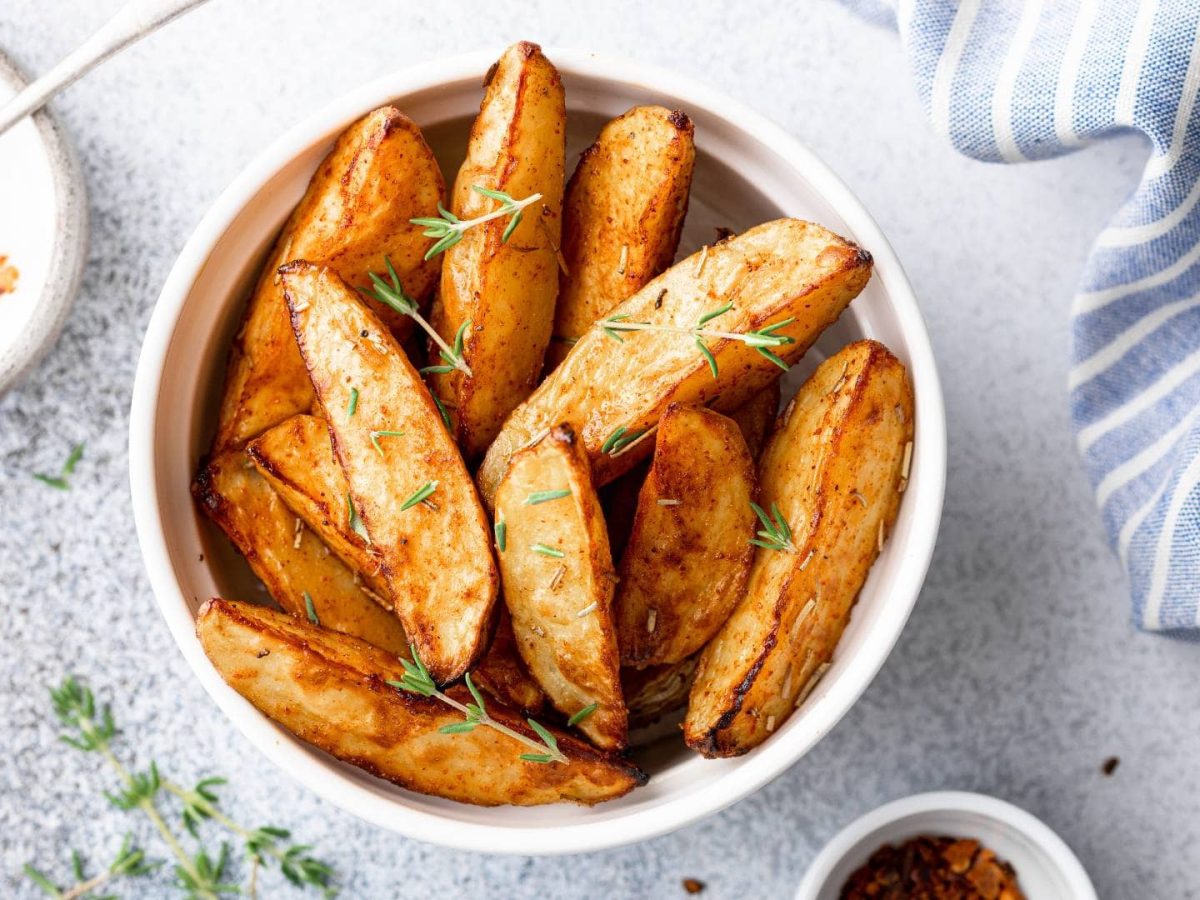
(1045, 866)
(747, 171)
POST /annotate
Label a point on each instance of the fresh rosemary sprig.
(310, 609)
(130, 862)
(421, 494)
(352, 403)
(760, 340)
(546, 496)
(391, 293)
(582, 714)
(546, 550)
(376, 435)
(448, 229)
(354, 522)
(198, 874)
(619, 439)
(454, 359)
(59, 482)
(776, 534)
(417, 680)
(501, 529)
(442, 409)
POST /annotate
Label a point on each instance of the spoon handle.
(132, 22)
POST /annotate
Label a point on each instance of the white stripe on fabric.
(1152, 613)
(1161, 163)
(1111, 353)
(1137, 405)
(1090, 301)
(1141, 462)
(947, 67)
(1135, 57)
(1068, 76)
(1140, 234)
(1134, 522)
(1006, 82)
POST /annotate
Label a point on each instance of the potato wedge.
(296, 458)
(332, 691)
(408, 484)
(619, 500)
(610, 390)
(503, 674)
(290, 560)
(356, 211)
(689, 552)
(622, 216)
(756, 417)
(558, 583)
(835, 471)
(655, 691)
(505, 290)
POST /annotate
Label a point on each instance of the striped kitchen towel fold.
(1009, 81)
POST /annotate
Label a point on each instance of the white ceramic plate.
(1045, 866)
(748, 171)
(43, 223)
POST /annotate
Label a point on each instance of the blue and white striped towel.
(1009, 81)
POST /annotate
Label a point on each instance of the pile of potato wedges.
(517, 479)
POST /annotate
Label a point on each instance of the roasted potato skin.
(331, 691)
(756, 417)
(503, 674)
(835, 469)
(505, 289)
(296, 458)
(436, 557)
(775, 271)
(356, 212)
(656, 691)
(290, 562)
(622, 216)
(689, 553)
(561, 604)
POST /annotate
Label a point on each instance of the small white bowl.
(748, 170)
(1045, 866)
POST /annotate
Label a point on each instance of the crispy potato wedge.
(689, 552)
(296, 458)
(409, 487)
(331, 690)
(619, 500)
(356, 211)
(504, 289)
(654, 691)
(622, 216)
(756, 418)
(502, 672)
(835, 469)
(558, 583)
(291, 561)
(609, 389)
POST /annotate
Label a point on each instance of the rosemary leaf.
(545, 496)
(547, 551)
(582, 714)
(310, 609)
(422, 493)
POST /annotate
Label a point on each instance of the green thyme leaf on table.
(60, 481)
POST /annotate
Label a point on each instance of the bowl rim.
(1041, 834)
(294, 757)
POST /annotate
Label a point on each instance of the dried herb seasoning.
(933, 868)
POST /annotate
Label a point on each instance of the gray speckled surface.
(1018, 674)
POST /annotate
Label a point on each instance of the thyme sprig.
(417, 680)
(59, 481)
(391, 293)
(761, 339)
(130, 862)
(776, 534)
(448, 229)
(91, 729)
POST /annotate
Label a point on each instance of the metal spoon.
(132, 22)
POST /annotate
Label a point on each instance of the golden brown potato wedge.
(502, 672)
(558, 583)
(689, 552)
(409, 489)
(296, 458)
(756, 418)
(505, 290)
(619, 499)
(653, 692)
(622, 216)
(332, 691)
(355, 213)
(834, 471)
(612, 389)
(289, 559)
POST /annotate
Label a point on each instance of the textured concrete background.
(1018, 674)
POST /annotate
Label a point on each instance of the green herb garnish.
(352, 404)
(501, 529)
(310, 609)
(620, 439)
(775, 533)
(582, 714)
(354, 522)
(545, 496)
(421, 494)
(448, 229)
(391, 293)
(376, 435)
(547, 551)
(59, 482)
(453, 357)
